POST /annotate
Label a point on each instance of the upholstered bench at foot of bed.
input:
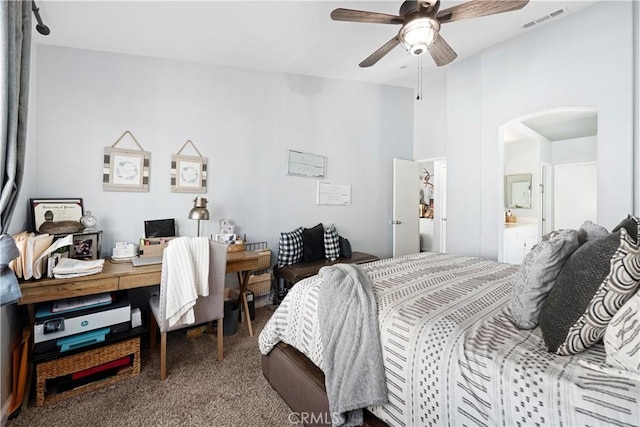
(293, 273)
(301, 384)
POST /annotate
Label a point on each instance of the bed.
(452, 355)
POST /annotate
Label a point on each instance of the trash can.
(231, 313)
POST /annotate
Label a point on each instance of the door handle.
(396, 222)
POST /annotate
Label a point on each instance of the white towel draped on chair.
(185, 273)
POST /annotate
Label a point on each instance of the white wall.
(560, 64)
(636, 102)
(576, 150)
(430, 119)
(244, 121)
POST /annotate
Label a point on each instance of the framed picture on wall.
(188, 174)
(306, 164)
(125, 169)
(62, 209)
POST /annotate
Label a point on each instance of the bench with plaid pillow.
(304, 251)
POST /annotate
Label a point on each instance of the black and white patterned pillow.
(592, 286)
(290, 247)
(331, 243)
(622, 337)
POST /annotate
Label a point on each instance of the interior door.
(405, 222)
(575, 192)
(546, 199)
(440, 218)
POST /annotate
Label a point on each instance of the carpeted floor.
(198, 391)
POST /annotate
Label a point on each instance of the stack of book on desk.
(69, 267)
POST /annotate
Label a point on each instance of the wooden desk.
(123, 276)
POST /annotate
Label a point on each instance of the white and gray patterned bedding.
(453, 357)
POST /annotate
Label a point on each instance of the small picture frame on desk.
(86, 245)
(63, 209)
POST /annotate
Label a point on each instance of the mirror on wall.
(517, 193)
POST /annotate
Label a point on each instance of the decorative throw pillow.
(593, 231)
(313, 243)
(537, 275)
(622, 337)
(345, 248)
(290, 247)
(632, 225)
(331, 243)
(592, 286)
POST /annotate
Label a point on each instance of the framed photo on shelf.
(188, 174)
(69, 209)
(125, 170)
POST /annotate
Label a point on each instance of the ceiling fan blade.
(378, 54)
(477, 8)
(441, 52)
(362, 16)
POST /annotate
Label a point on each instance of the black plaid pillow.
(331, 243)
(290, 247)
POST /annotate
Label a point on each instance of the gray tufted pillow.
(593, 231)
(537, 275)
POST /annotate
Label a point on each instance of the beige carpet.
(198, 391)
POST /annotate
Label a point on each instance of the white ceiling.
(282, 36)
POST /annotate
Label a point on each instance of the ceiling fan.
(421, 20)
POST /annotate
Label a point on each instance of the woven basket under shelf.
(260, 284)
(85, 360)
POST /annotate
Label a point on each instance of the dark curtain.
(16, 52)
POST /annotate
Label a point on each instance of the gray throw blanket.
(9, 288)
(352, 353)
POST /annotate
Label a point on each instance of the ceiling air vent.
(544, 18)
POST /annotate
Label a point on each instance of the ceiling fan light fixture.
(416, 36)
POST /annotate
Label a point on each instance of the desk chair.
(206, 309)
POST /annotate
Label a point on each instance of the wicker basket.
(264, 262)
(85, 360)
(237, 247)
(260, 284)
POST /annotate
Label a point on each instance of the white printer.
(75, 316)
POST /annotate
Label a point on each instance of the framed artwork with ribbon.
(188, 173)
(125, 169)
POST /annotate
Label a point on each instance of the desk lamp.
(199, 211)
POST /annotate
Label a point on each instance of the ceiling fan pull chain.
(419, 96)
